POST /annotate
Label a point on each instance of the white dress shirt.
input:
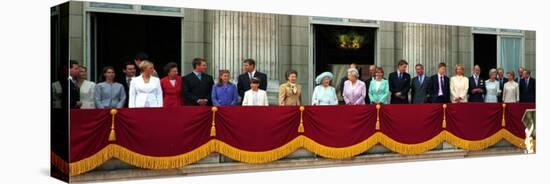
(145, 94)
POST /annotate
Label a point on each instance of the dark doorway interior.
(485, 53)
(334, 46)
(119, 37)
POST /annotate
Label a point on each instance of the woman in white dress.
(86, 89)
(510, 93)
(324, 94)
(459, 85)
(255, 96)
(145, 89)
(492, 87)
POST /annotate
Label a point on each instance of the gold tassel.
(112, 135)
(377, 117)
(301, 127)
(444, 124)
(213, 129)
(503, 123)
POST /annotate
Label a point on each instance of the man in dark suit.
(243, 83)
(419, 86)
(527, 88)
(129, 70)
(197, 85)
(400, 84)
(476, 86)
(439, 88)
(74, 94)
(501, 80)
(372, 72)
(520, 74)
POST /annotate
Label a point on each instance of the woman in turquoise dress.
(379, 88)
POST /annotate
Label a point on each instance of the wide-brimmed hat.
(320, 77)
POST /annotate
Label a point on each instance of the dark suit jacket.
(243, 83)
(501, 85)
(195, 89)
(476, 97)
(433, 90)
(126, 86)
(527, 93)
(72, 96)
(419, 92)
(402, 85)
(367, 85)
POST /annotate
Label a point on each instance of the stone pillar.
(76, 33)
(194, 39)
(425, 44)
(299, 55)
(530, 52)
(465, 55)
(240, 35)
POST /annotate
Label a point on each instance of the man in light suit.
(244, 79)
(440, 86)
(419, 86)
(501, 80)
(400, 84)
(197, 85)
(527, 89)
(476, 86)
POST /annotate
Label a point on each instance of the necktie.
(128, 81)
(526, 84)
(440, 84)
(250, 75)
(421, 79)
(400, 74)
(475, 78)
(199, 76)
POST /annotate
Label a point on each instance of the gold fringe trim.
(484, 143)
(139, 160)
(150, 162)
(259, 157)
(408, 149)
(341, 153)
(89, 163)
(59, 163)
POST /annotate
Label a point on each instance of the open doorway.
(336, 47)
(117, 38)
(485, 53)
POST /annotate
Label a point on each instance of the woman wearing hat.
(324, 94)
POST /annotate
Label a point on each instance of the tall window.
(510, 52)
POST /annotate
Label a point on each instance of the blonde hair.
(144, 64)
(459, 66)
(492, 71)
